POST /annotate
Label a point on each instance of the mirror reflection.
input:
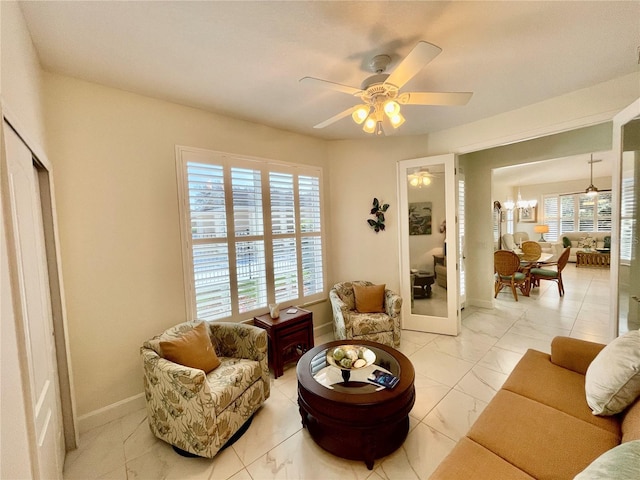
(629, 264)
(427, 240)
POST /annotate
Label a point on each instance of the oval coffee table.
(355, 419)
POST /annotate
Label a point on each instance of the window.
(252, 233)
(577, 212)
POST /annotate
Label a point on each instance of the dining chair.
(531, 251)
(538, 274)
(507, 265)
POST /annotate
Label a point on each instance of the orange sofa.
(539, 426)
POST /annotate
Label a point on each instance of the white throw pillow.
(619, 463)
(612, 381)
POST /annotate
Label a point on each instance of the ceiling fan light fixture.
(391, 108)
(360, 114)
(414, 180)
(396, 120)
(370, 124)
(592, 190)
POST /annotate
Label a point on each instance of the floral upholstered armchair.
(382, 327)
(199, 412)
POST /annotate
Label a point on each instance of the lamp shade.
(541, 229)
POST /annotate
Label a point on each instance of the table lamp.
(541, 229)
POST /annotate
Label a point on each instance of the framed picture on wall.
(420, 218)
(527, 215)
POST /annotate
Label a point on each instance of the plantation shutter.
(586, 208)
(209, 237)
(251, 273)
(283, 226)
(550, 205)
(627, 216)
(311, 240)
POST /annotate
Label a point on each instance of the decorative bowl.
(350, 357)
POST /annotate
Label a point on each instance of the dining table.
(527, 264)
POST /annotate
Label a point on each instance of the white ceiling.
(244, 59)
(555, 171)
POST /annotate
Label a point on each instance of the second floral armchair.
(382, 327)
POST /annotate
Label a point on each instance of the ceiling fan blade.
(434, 98)
(331, 86)
(421, 54)
(337, 117)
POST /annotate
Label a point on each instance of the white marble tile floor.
(455, 379)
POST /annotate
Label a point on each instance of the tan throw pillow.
(193, 349)
(612, 382)
(369, 299)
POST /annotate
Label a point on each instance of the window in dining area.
(576, 212)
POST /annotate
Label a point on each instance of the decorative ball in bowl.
(350, 357)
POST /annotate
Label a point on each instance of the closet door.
(35, 308)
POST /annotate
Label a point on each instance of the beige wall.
(360, 171)
(117, 200)
(21, 74)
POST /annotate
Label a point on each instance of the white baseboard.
(323, 329)
(112, 412)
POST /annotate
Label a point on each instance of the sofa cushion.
(192, 349)
(538, 439)
(229, 381)
(612, 381)
(621, 463)
(369, 298)
(566, 243)
(469, 460)
(537, 378)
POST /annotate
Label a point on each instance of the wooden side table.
(290, 336)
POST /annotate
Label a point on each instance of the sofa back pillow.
(620, 463)
(612, 381)
(566, 243)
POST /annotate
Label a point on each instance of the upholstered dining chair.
(538, 274)
(531, 251)
(507, 274)
(203, 382)
(353, 319)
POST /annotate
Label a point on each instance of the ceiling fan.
(422, 177)
(380, 93)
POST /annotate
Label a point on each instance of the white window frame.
(557, 221)
(184, 155)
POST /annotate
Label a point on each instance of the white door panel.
(427, 208)
(36, 304)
